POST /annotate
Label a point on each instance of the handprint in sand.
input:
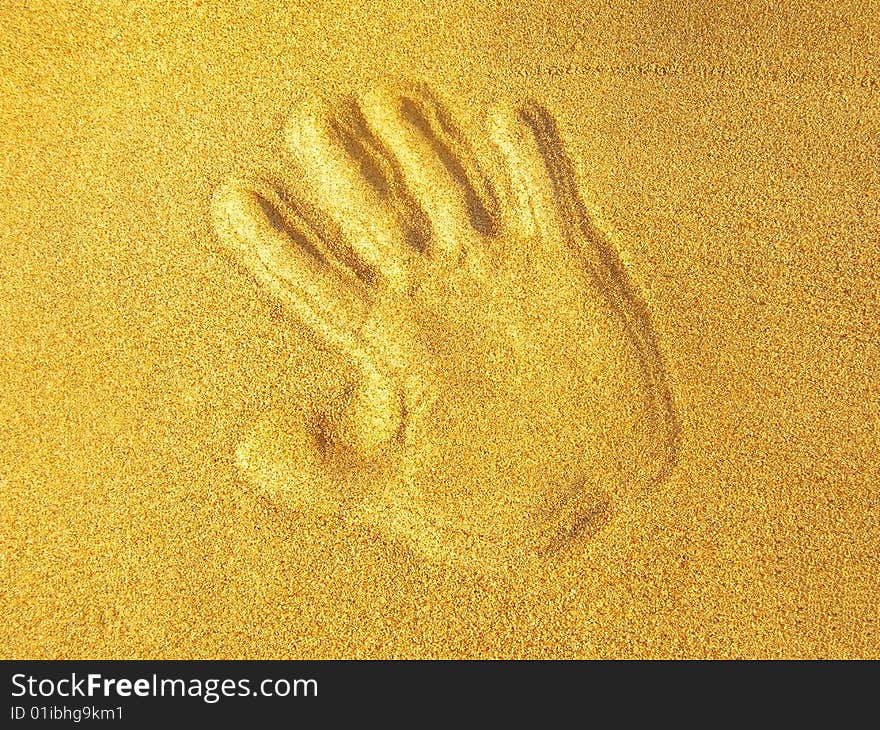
(503, 386)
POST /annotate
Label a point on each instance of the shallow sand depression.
(439, 331)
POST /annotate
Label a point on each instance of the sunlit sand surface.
(432, 330)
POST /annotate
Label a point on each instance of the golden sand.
(440, 330)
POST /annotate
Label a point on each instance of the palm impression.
(503, 387)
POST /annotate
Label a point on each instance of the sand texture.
(440, 330)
